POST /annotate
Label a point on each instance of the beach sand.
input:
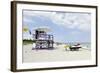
(57, 54)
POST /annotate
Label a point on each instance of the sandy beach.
(57, 54)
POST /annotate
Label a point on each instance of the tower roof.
(45, 29)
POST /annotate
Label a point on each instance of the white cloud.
(78, 21)
(27, 20)
(81, 21)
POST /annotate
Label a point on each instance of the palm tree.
(26, 30)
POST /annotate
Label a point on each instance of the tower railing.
(43, 37)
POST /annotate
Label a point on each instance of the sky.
(64, 26)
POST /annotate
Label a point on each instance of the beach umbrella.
(25, 29)
(43, 28)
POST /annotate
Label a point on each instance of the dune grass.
(25, 42)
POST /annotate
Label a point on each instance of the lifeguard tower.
(42, 39)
